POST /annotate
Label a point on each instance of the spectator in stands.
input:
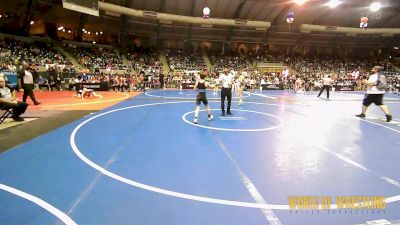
(4, 77)
(58, 81)
(12, 67)
(52, 83)
(142, 81)
(42, 82)
(52, 76)
(8, 101)
(72, 82)
(161, 79)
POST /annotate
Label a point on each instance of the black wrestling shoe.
(361, 115)
(223, 114)
(230, 113)
(18, 118)
(388, 118)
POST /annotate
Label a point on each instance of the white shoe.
(211, 117)
(195, 121)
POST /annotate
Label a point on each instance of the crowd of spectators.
(38, 53)
(179, 61)
(96, 58)
(145, 68)
(120, 82)
(230, 60)
(144, 60)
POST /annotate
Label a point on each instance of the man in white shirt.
(374, 94)
(328, 82)
(226, 80)
(27, 83)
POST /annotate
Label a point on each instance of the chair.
(7, 113)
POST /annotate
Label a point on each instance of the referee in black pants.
(27, 83)
(328, 82)
(226, 80)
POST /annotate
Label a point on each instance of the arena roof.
(312, 12)
(275, 11)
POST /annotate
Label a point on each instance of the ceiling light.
(375, 6)
(299, 2)
(334, 3)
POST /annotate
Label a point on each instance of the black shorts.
(201, 97)
(377, 99)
